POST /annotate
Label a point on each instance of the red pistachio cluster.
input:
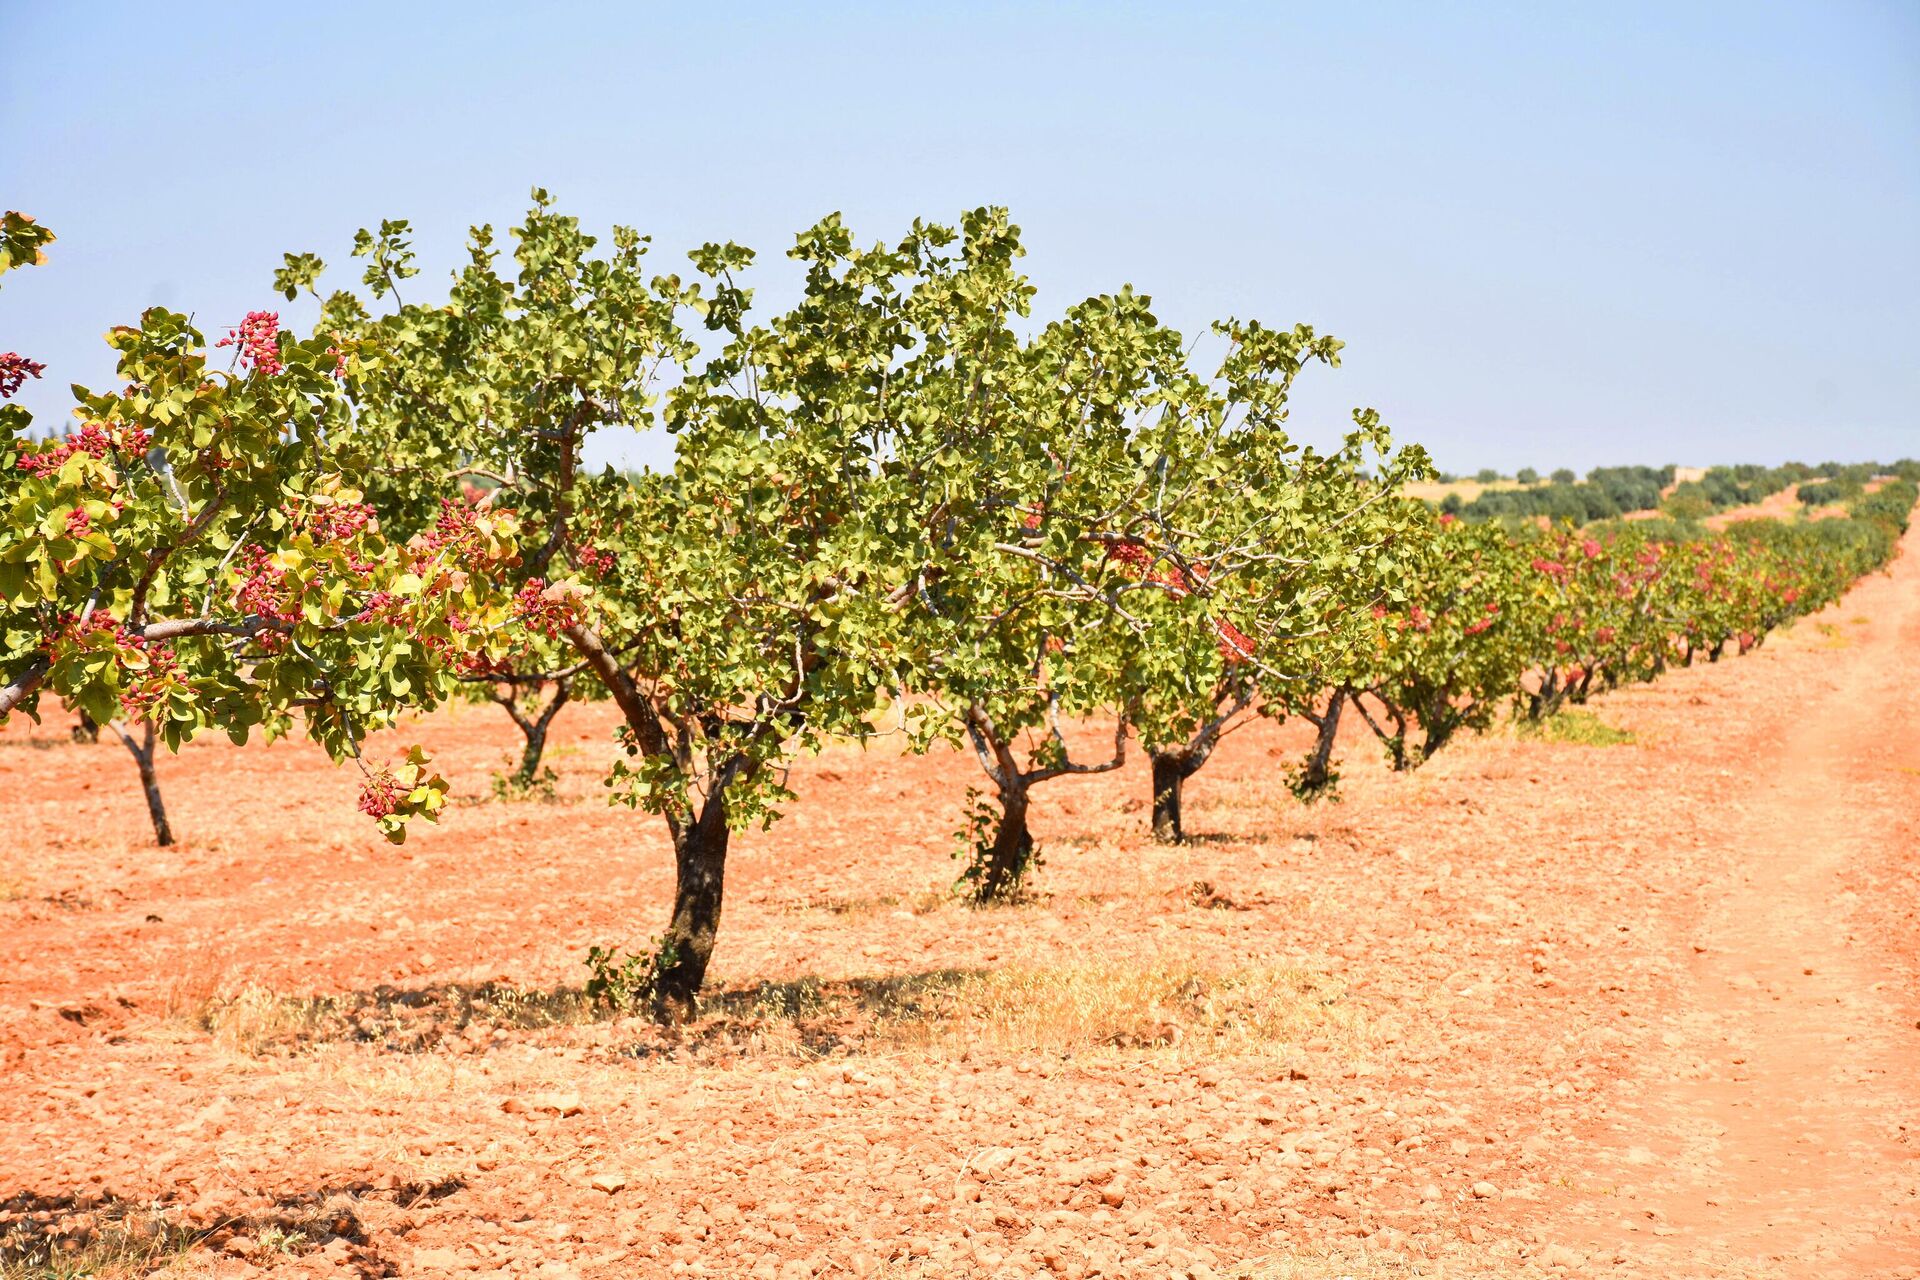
(453, 536)
(453, 653)
(93, 439)
(339, 522)
(145, 691)
(383, 794)
(547, 609)
(1235, 645)
(258, 338)
(1490, 616)
(263, 592)
(15, 369)
(157, 666)
(592, 560)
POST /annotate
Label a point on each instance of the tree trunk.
(1012, 851)
(700, 871)
(1170, 770)
(1317, 777)
(85, 730)
(142, 753)
(536, 734)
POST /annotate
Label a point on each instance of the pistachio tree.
(736, 608)
(1451, 648)
(1266, 553)
(1019, 614)
(192, 556)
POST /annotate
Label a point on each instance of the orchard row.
(898, 508)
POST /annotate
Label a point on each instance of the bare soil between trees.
(1541, 1008)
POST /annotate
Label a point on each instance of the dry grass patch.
(1150, 1003)
(45, 1245)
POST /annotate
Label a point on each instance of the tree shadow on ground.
(44, 1237)
(811, 1016)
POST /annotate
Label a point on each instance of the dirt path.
(1780, 1109)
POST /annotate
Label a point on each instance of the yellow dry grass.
(1434, 491)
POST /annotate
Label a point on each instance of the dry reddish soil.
(1543, 1008)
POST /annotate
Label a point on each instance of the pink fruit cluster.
(15, 369)
(454, 536)
(383, 795)
(592, 560)
(548, 610)
(263, 592)
(1235, 645)
(140, 697)
(1487, 618)
(339, 522)
(258, 338)
(93, 439)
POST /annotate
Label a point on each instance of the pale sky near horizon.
(1629, 234)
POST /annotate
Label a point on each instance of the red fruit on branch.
(258, 338)
(383, 794)
(15, 369)
(549, 610)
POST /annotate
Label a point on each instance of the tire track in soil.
(1774, 1132)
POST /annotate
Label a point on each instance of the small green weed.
(1581, 728)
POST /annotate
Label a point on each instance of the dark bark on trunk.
(1170, 770)
(1012, 851)
(700, 871)
(142, 753)
(86, 730)
(1172, 766)
(1547, 701)
(1011, 855)
(1318, 774)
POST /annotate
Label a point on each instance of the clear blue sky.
(1640, 233)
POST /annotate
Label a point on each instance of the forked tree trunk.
(1318, 774)
(1012, 851)
(536, 733)
(534, 729)
(1173, 765)
(142, 752)
(700, 874)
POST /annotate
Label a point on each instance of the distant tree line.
(1605, 493)
(1609, 493)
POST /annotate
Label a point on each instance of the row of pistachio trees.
(1544, 620)
(889, 512)
(895, 508)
